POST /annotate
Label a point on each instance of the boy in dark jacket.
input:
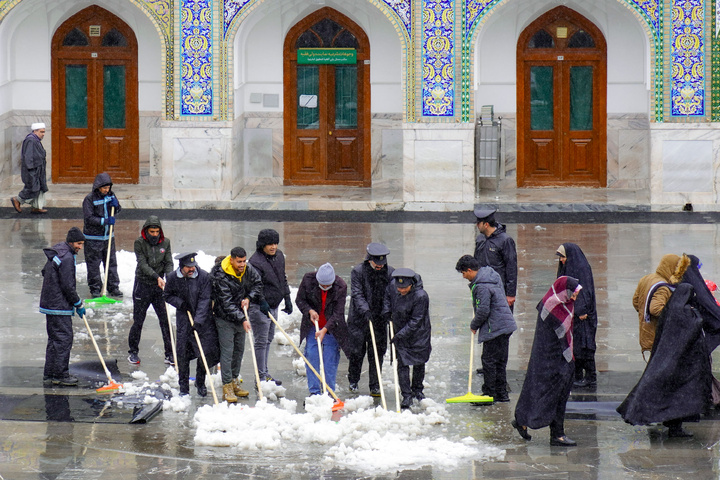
(269, 261)
(58, 299)
(235, 285)
(321, 298)
(407, 306)
(154, 260)
(493, 322)
(97, 208)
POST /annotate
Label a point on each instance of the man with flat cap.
(189, 290)
(407, 306)
(496, 249)
(33, 171)
(368, 282)
(58, 301)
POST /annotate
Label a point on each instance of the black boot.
(406, 402)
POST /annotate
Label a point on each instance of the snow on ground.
(364, 438)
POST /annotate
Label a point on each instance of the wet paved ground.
(39, 442)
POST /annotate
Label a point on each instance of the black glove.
(368, 317)
(264, 307)
(288, 305)
(196, 327)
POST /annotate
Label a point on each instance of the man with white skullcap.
(33, 166)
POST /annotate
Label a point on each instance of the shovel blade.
(100, 301)
(471, 398)
(338, 405)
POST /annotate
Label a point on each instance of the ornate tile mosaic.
(196, 57)
(715, 63)
(403, 10)
(438, 63)
(687, 52)
(230, 10)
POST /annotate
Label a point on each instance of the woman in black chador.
(573, 263)
(551, 368)
(675, 385)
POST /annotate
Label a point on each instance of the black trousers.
(95, 254)
(585, 368)
(356, 359)
(145, 295)
(60, 339)
(494, 361)
(185, 354)
(410, 388)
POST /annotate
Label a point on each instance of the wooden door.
(562, 111)
(327, 106)
(95, 110)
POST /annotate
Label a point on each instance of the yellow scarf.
(227, 268)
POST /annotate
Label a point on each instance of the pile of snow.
(364, 438)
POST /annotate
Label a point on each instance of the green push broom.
(103, 299)
(469, 397)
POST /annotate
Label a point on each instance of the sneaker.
(375, 392)
(95, 294)
(169, 361)
(116, 293)
(47, 381)
(134, 359)
(353, 387)
(67, 381)
(268, 378)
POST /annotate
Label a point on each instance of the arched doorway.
(562, 102)
(94, 99)
(327, 102)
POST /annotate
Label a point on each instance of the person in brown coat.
(652, 294)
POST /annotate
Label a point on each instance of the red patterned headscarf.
(557, 308)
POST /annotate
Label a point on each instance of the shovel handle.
(252, 347)
(204, 359)
(97, 349)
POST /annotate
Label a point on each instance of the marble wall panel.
(391, 155)
(258, 152)
(687, 166)
(197, 163)
(438, 170)
(150, 148)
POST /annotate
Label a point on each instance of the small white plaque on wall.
(687, 166)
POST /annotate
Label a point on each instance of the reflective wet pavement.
(72, 432)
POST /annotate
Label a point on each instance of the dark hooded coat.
(96, 210)
(499, 252)
(677, 380)
(492, 313)
(705, 302)
(154, 260)
(410, 315)
(584, 331)
(309, 297)
(272, 272)
(58, 295)
(33, 167)
(367, 292)
(194, 295)
(549, 374)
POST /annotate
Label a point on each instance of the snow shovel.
(339, 404)
(322, 363)
(469, 397)
(202, 355)
(395, 372)
(252, 347)
(377, 364)
(103, 299)
(112, 386)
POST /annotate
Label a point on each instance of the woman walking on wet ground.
(572, 263)
(551, 368)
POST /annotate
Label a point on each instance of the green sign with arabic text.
(328, 56)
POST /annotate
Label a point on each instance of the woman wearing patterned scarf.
(551, 368)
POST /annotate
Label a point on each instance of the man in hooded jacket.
(269, 261)
(154, 260)
(58, 300)
(97, 208)
(368, 282)
(407, 306)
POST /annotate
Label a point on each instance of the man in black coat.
(97, 207)
(189, 289)
(58, 300)
(269, 261)
(368, 282)
(236, 285)
(154, 260)
(33, 171)
(407, 306)
(496, 249)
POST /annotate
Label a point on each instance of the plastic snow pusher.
(112, 386)
(469, 397)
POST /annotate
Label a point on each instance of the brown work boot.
(228, 394)
(16, 204)
(239, 391)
